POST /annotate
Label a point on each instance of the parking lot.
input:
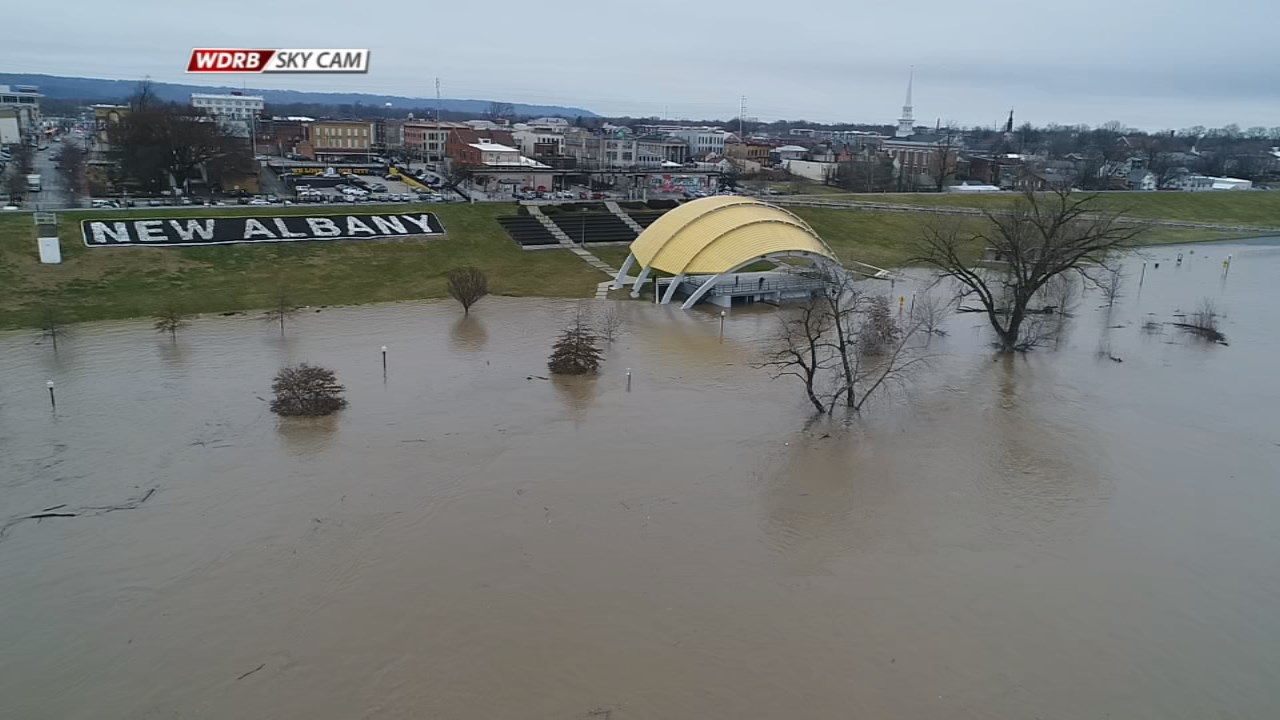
(353, 189)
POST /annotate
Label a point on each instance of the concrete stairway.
(602, 290)
(623, 216)
(551, 227)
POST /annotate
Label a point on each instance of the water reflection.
(175, 353)
(810, 497)
(307, 436)
(576, 392)
(468, 334)
(1040, 469)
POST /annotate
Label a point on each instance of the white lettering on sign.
(188, 232)
(323, 227)
(390, 225)
(356, 225)
(253, 227)
(423, 221)
(150, 230)
(284, 230)
(118, 231)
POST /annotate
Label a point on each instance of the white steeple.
(906, 123)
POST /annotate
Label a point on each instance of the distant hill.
(100, 90)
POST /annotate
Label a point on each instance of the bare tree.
(1203, 322)
(501, 111)
(930, 310)
(610, 322)
(164, 144)
(801, 349)
(72, 167)
(1043, 236)
(171, 319)
(467, 285)
(15, 186)
(844, 345)
(52, 326)
(576, 351)
(1112, 285)
(24, 159)
(281, 308)
(878, 329)
(946, 158)
(306, 390)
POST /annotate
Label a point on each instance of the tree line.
(162, 146)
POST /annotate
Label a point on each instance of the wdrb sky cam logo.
(221, 60)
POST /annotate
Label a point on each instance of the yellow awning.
(717, 234)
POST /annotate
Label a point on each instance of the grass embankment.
(105, 283)
(888, 239)
(1228, 208)
(118, 282)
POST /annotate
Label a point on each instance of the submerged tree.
(306, 390)
(610, 322)
(576, 351)
(52, 326)
(170, 320)
(281, 308)
(1043, 236)
(467, 285)
(844, 345)
(930, 310)
(1203, 322)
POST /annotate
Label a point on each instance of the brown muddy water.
(1053, 536)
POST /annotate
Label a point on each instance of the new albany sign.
(224, 230)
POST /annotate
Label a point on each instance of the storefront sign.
(225, 230)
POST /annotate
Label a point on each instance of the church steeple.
(1008, 126)
(907, 123)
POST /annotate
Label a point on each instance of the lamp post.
(384, 361)
(721, 326)
(53, 402)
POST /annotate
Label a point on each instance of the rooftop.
(493, 147)
(216, 96)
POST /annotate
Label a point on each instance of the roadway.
(54, 193)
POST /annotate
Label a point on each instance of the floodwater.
(1052, 536)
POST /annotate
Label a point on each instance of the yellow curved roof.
(717, 234)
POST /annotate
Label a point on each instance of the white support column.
(702, 290)
(622, 272)
(635, 289)
(671, 289)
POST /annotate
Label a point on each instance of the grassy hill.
(1234, 208)
(105, 283)
(118, 282)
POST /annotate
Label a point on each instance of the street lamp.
(721, 326)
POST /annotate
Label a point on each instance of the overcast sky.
(1170, 64)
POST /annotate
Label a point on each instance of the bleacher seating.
(645, 218)
(594, 227)
(527, 230)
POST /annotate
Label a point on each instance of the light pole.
(721, 326)
(53, 402)
(384, 362)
